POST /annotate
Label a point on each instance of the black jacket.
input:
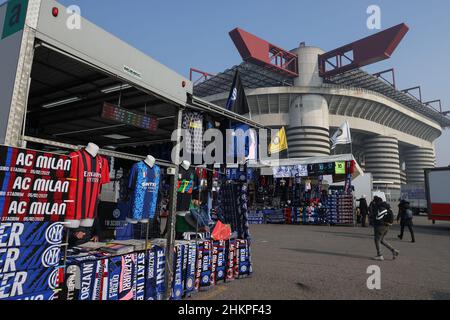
(403, 206)
(376, 208)
(363, 207)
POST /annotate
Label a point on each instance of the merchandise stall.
(99, 168)
(51, 196)
(301, 191)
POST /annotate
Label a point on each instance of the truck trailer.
(437, 189)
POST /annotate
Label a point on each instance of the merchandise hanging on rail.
(304, 191)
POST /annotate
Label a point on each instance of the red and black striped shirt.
(87, 175)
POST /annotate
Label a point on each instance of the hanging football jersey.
(300, 170)
(350, 167)
(193, 122)
(187, 189)
(87, 175)
(312, 170)
(202, 178)
(144, 185)
(329, 168)
(321, 169)
(340, 167)
(202, 175)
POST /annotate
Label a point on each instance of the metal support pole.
(147, 231)
(171, 219)
(351, 140)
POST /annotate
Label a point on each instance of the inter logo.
(53, 279)
(54, 233)
(116, 214)
(190, 283)
(51, 256)
(234, 95)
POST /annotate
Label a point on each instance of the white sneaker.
(378, 258)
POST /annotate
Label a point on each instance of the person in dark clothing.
(379, 209)
(364, 210)
(405, 216)
(372, 210)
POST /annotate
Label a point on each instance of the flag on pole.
(237, 100)
(279, 142)
(342, 135)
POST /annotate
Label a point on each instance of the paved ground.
(308, 262)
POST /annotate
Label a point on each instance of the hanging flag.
(279, 142)
(342, 135)
(237, 100)
(348, 183)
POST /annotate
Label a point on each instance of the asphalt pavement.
(320, 262)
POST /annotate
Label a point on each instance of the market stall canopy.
(74, 103)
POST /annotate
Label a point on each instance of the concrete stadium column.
(382, 160)
(403, 176)
(418, 159)
(308, 132)
(308, 66)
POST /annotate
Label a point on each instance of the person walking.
(405, 215)
(382, 218)
(371, 210)
(363, 210)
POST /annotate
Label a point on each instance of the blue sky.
(184, 34)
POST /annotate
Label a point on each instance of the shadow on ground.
(438, 295)
(436, 230)
(338, 254)
(347, 234)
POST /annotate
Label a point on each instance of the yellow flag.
(279, 142)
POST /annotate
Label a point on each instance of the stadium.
(312, 92)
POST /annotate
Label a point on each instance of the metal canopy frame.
(389, 71)
(363, 52)
(203, 75)
(261, 52)
(253, 76)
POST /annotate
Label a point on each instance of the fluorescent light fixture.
(116, 137)
(116, 88)
(60, 102)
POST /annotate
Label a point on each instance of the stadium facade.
(312, 92)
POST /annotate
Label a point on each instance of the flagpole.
(350, 136)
